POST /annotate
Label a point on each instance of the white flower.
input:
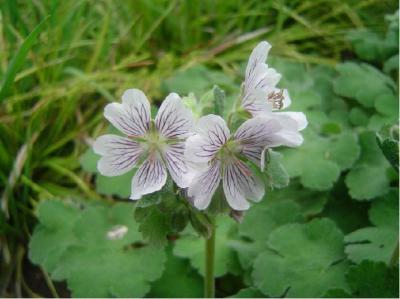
(260, 96)
(214, 154)
(158, 145)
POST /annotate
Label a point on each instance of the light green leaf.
(178, 280)
(351, 83)
(100, 247)
(53, 235)
(319, 161)
(301, 255)
(276, 173)
(370, 280)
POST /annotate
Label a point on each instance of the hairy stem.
(209, 282)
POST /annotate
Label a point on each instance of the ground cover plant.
(327, 225)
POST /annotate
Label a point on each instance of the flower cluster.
(199, 156)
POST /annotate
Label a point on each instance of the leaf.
(191, 247)
(370, 280)
(276, 173)
(178, 280)
(116, 185)
(19, 58)
(319, 161)
(53, 235)
(367, 182)
(155, 227)
(371, 243)
(379, 242)
(385, 211)
(101, 248)
(219, 99)
(351, 83)
(197, 80)
(300, 256)
(89, 160)
(262, 219)
(248, 293)
(371, 167)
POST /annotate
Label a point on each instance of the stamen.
(276, 98)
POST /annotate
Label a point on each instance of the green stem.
(209, 282)
(394, 259)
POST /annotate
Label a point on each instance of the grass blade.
(19, 59)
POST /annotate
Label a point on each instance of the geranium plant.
(201, 154)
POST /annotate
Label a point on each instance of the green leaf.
(351, 83)
(367, 182)
(248, 293)
(155, 227)
(191, 246)
(99, 247)
(263, 218)
(371, 243)
(376, 243)
(53, 235)
(371, 167)
(116, 185)
(319, 161)
(276, 173)
(178, 280)
(19, 58)
(300, 256)
(198, 79)
(370, 280)
(219, 99)
(89, 161)
(385, 211)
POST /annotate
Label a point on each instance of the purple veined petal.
(263, 77)
(174, 120)
(255, 135)
(257, 131)
(204, 184)
(176, 164)
(299, 118)
(212, 133)
(256, 103)
(119, 154)
(239, 184)
(257, 56)
(150, 177)
(132, 117)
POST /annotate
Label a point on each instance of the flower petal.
(132, 117)
(287, 138)
(120, 154)
(258, 55)
(174, 120)
(150, 177)
(212, 133)
(204, 185)
(299, 118)
(240, 183)
(176, 164)
(263, 78)
(255, 135)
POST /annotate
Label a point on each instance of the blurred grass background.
(86, 52)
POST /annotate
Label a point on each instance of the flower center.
(228, 151)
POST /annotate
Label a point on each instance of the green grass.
(62, 61)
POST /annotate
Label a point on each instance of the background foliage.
(332, 232)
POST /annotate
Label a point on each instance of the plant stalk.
(209, 281)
